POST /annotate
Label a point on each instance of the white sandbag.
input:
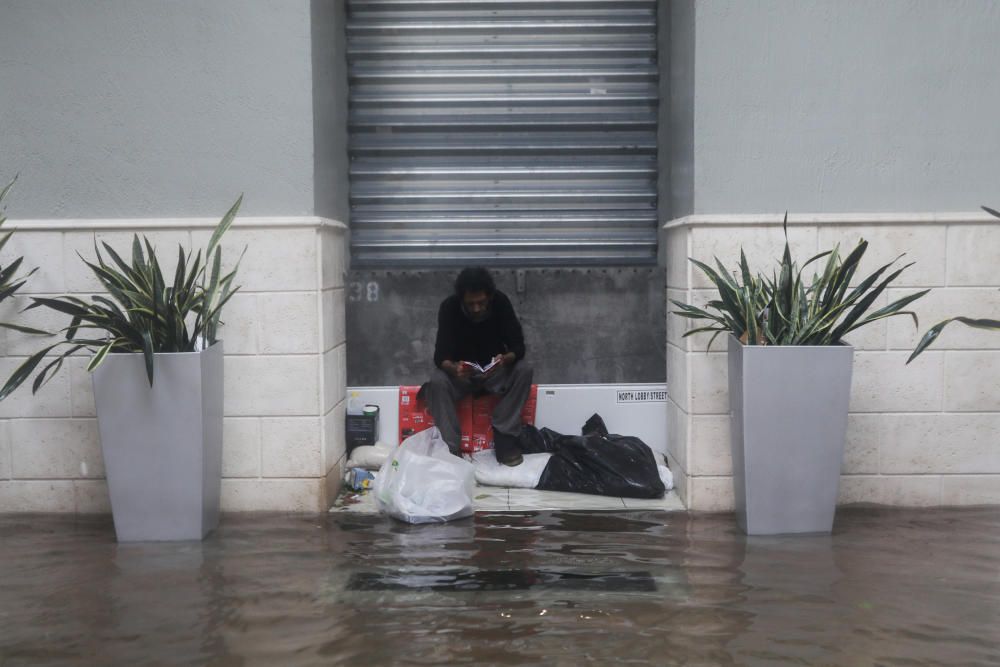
(490, 472)
(666, 477)
(370, 457)
(422, 482)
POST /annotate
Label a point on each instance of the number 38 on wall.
(360, 291)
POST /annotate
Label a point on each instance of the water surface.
(889, 587)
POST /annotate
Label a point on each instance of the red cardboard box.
(474, 416)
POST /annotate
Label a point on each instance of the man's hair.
(474, 279)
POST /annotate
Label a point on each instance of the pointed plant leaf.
(23, 372)
(223, 226)
(989, 210)
(935, 331)
(147, 353)
(96, 360)
(24, 330)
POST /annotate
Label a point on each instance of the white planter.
(162, 445)
(788, 409)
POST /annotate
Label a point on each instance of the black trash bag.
(537, 441)
(601, 463)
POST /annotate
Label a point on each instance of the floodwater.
(889, 587)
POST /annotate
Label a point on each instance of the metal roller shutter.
(502, 132)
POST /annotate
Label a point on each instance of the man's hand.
(501, 360)
(457, 369)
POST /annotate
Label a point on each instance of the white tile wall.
(678, 425)
(52, 400)
(91, 496)
(711, 453)
(678, 265)
(333, 257)
(334, 446)
(680, 479)
(55, 449)
(711, 494)
(282, 261)
(272, 385)
(43, 250)
(81, 386)
(861, 448)
(239, 324)
(677, 376)
(18, 344)
(872, 336)
(334, 376)
(81, 279)
(921, 434)
(241, 447)
(279, 441)
(972, 380)
(709, 382)
(883, 382)
(677, 326)
(37, 496)
(944, 303)
(260, 495)
(288, 323)
(972, 254)
(291, 447)
(763, 247)
(940, 443)
(699, 341)
(970, 490)
(900, 490)
(4, 449)
(924, 245)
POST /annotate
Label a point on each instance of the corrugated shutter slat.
(505, 132)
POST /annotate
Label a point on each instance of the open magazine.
(480, 369)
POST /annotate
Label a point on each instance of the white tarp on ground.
(489, 472)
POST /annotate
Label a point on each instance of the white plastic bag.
(371, 457)
(423, 482)
(666, 477)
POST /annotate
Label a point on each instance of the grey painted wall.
(329, 67)
(677, 49)
(854, 105)
(580, 325)
(118, 108)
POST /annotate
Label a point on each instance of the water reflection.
(915, 587)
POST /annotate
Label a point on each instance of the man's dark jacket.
(461, 339)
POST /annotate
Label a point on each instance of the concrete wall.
(153, 116)
(572, 320)
(855, 105)
(923, 434)
(284, 367)
(677, 49)
(329, 95)
(864, 119)
(116, 109)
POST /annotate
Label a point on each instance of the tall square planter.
(162, 445)
(788, 410)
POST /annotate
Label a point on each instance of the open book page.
(480, 369)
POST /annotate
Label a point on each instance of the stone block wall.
(285, 381)
(923, 434)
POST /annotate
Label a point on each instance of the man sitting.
(477, 325)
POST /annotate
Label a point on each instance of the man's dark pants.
(511, 383)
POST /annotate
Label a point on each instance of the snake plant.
(786, 308)
(978, 323)
(10, 281)
(142, 312)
